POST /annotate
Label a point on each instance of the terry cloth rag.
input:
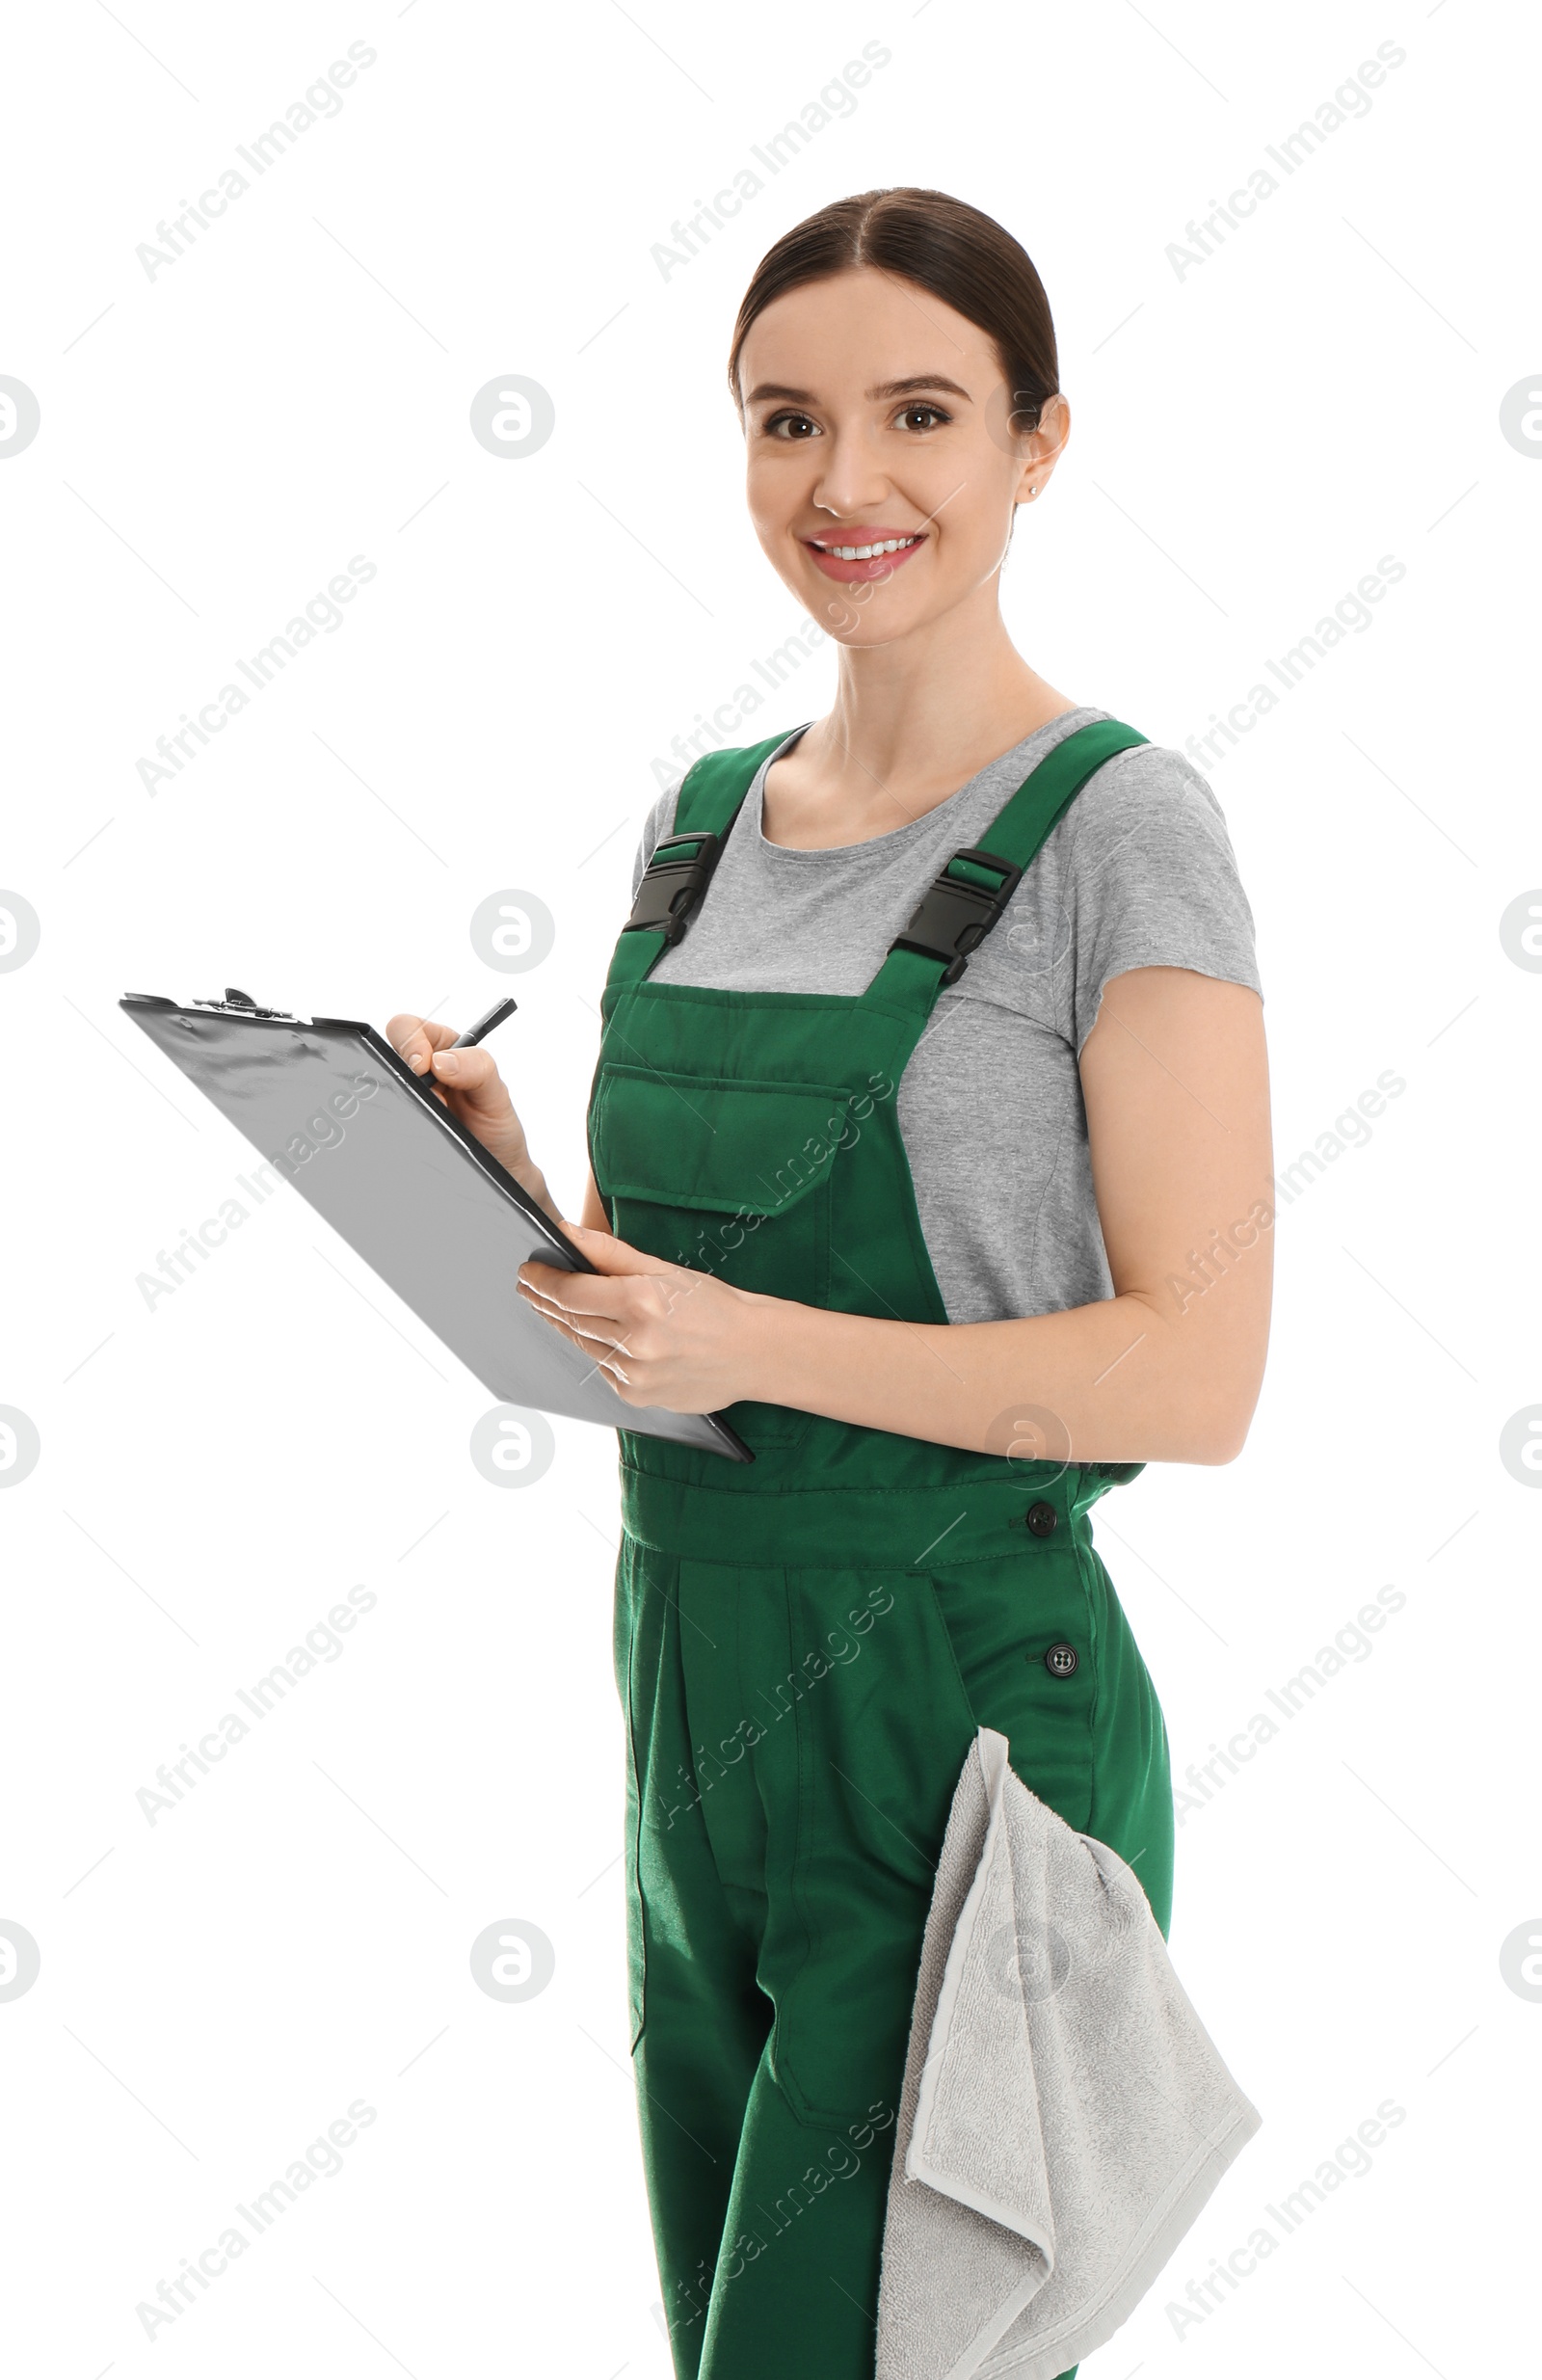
(1064, 2115)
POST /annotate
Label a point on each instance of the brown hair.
(962, 257)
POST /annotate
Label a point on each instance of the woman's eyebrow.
(770, 390)
(917, 380)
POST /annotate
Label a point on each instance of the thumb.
(609, 1254)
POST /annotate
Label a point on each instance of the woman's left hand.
(661, 1334)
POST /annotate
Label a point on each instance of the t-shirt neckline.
(755, 804)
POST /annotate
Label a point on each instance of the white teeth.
(865, 553)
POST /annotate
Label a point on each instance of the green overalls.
(807, 1644)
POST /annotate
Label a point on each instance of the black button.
(1041, 1519)
(1061, 1660)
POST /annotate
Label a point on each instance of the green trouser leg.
(795, 1738)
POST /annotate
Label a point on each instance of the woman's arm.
(1175, 1080)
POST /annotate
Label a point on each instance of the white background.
(1251, 435)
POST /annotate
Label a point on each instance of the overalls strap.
(956, 913)
(710, 797)
(971, 891)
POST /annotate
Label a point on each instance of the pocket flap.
(726, 1147)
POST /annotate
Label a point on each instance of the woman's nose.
(850, 480)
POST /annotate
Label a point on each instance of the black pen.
(484, 1024)
(468, 1040)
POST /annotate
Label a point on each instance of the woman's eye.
(790, 425)
(923, 416)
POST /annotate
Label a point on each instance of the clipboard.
(331, 1107)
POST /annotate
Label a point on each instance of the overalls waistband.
(865, 1528)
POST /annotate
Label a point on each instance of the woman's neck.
(910, 724)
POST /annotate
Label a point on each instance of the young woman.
(930, 1138)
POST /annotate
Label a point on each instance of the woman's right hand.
(471, 1088)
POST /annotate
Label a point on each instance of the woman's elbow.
(1208, 1388)
(1220, 1424)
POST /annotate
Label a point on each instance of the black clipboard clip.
(242, 1003)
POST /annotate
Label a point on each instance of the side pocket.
(623, 1640)
(1023, 1642)
(947, 1655)
(636, 1952)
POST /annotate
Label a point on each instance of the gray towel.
(1064, 2116)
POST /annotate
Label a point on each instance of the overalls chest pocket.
(729, 1176)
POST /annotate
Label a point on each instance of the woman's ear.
(1043, 447)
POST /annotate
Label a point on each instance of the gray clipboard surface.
(333, 1109)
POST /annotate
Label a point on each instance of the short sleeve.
(1151, 880)
(658, 823)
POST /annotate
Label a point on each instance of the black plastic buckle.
(955, 916)
(673, 885)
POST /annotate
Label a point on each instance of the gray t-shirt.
(1139, 873)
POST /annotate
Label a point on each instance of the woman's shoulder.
(659, 822)
(1142, 871)
(1149, 789)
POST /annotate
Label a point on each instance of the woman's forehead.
(868, 332)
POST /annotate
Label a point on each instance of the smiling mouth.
(865, 553)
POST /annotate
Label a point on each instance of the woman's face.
(874, 413)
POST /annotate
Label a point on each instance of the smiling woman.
(933, 1050)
